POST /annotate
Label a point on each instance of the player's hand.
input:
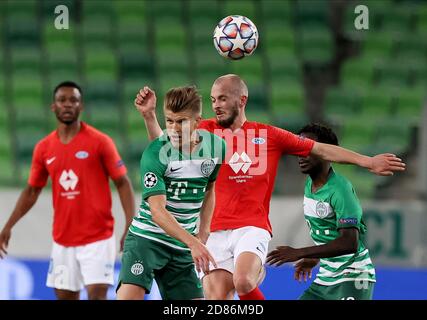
(303, 269)
(5, 235)
(283, 254)
(145, 101)
(384, 164)
(201, 256)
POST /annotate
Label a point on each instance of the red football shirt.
(246, 179)
(81, 193)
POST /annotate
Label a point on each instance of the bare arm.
(167, 222)
(346, 243)
(25, 202)
(145, 103)
(127, 199)
(206, 213)
(381, 164)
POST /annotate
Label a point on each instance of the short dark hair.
(69, 84)
(323, 133)
(183, 98)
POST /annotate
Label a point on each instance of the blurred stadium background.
(311, 64)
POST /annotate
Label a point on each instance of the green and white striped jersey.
(335, 206)
(182, 178)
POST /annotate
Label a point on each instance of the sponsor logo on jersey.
(150, 180)
(175, 169)
(258, 140)
(321, 210)
(137, 268)
(207, 167)
(348, 221)
(82, 154)
(240, 162)
(68, 180)
(49, 161)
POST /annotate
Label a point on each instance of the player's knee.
(97, 292)
(67, 295)
(215, 295)
(97, 295)
(244, 283)
(214, 290)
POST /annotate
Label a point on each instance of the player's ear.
(52, 106)
(243, 100)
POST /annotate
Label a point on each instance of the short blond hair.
(182, 99)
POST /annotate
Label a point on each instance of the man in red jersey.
(79, 160)
(240, 228)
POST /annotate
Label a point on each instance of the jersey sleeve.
(347, 207)
(152, 171)
(214, 174)
(111, 159)
(38, 173)
(290, 143)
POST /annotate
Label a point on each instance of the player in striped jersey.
(334, 216)
(178, 173)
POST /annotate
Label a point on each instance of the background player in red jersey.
(79, 160)
(240, 228)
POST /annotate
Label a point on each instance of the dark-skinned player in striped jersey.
(334, 216)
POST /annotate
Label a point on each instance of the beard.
(67, 120)
(226, 123)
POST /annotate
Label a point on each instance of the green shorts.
(144, 260)
(348, 290)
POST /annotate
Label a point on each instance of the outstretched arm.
(25, 202)
(127, 199)
(346, 243)
(381, 164)
(145, 103)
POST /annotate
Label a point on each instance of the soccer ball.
(235, 37)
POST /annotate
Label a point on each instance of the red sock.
(255, 294)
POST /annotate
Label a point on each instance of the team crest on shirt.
(150, 180)
(258, 140)
(137, 268)
(321, 210)
(207, 167)
(82, 154)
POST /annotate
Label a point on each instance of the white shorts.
(72, 268)
(226, 245)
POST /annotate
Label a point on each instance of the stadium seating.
(114, 48)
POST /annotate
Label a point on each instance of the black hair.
(69, 84)
(323, 133)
